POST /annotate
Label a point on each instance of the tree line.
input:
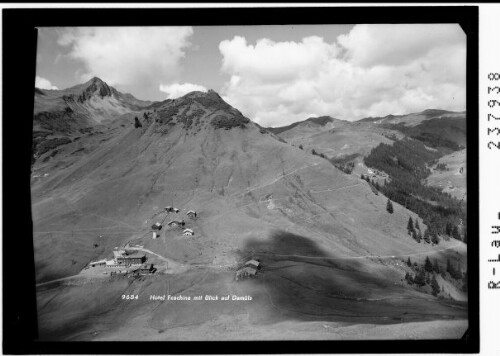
(407, 162)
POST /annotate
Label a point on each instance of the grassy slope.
(246, 187)
(451, 175)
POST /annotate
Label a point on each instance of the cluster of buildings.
(123, 258)
(174, 223)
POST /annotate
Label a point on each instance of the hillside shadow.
(302, 281)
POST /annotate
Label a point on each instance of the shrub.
(229, 122)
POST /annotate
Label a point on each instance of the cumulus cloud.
(385, 44)
(177, 90)
(374, 70)
(131, 56)
(43, 83)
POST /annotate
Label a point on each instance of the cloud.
(43, 83)
(177, 90)
(373, 70)
(385, 44)
(129, 56)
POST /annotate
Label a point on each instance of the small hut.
(191, 214)
(188, 232)
(156, 226)
(246, 272)
(175, 223)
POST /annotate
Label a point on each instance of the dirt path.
(172, 266)
(60, 280)
(334, 189)
(365, 256)
(248, 190)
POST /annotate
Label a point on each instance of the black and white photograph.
(250, 182)
(255, 182)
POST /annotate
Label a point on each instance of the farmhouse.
(191, 213)
(146, 268)
(188, 232)
(176, 210)
(246, 272)
(175, 223)
(156, 226)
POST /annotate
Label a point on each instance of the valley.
(332, 257)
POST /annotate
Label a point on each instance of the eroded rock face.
(96, 87)
(196, 108)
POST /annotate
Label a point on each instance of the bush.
(435, 286)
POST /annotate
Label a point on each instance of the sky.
(275, 75)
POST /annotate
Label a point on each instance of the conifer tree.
(417, 226)
(448, 229)
(410, 226)
(455, 234)
(415, 236)
(434, 237)
(389, 207)
(408, 263)
(420, 277)
(428, 265)
(427, 236)
(435, 286)
(435, 266)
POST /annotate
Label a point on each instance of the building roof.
(247, 270)
(97, 262)
(188, 230)
(176, 222)
(191, 212)
(133, 256)
(253, 263)
(118, 253)
(110, 263)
